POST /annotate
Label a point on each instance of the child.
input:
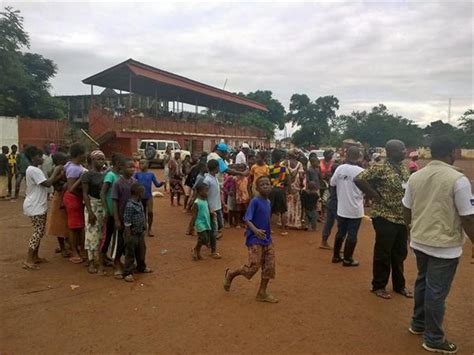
(4, 173)
(121, 191)
(12, 164)
(146, 178)
(258, 170)
(259, 242)
(35, 205)
(57, 218)
(176, 178)
(229, 192)
(309, 200)
(135, 226)
(242, 196)
(215, 203)
(201, 221)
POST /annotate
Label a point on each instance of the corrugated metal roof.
(148, 80)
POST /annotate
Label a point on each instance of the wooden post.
(130, 91)
(156, 102)
(196, 102)
(92, 97)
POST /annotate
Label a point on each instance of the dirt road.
(182, 307)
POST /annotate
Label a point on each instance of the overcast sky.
(410, 56)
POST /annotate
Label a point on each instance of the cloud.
(410, 56)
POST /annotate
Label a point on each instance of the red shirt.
(326, 168)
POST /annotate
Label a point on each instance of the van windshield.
(176, 146)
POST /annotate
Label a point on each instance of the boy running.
(259, 243)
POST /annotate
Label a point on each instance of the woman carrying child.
(56, 224)
(73, 200)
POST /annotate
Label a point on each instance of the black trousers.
(390, 251)
(135, 250)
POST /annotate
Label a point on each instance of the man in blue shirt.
(259, 243)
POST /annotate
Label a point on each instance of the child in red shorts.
(259, 243)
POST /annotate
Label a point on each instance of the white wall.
(8, 131)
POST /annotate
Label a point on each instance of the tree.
(441, 129)
(378, 126)
(268, 121)
(467, 125)
(312, 117)
(24, 88)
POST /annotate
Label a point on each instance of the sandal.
(406, 292)
(267, 298)
(284, 233)
(227, 282)
(58, 250)
(382, 294)
(76, 260)
(216, 256)
(28, 266)
(118, 274)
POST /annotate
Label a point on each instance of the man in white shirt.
(350, 207)
(438, 206)
(241, 157)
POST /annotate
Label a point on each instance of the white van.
(154, 150)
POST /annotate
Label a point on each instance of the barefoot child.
(35, 205)
(309, 200)
(146, 178)
(259, 243)
(215, 203)
(121, 192)
(201, 221)
(135, 226)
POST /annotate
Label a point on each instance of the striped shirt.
(278, 175)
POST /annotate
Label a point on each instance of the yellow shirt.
(257, 171)
(12, 162)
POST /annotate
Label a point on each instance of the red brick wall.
(39, 132)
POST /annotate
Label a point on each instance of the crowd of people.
(101, 213)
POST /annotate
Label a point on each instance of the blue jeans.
(347, 229)
(311, 218)
(331, 216)
(433, 282)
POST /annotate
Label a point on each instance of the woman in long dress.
(297, 177)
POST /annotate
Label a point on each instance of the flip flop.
(406, 292)
(267, 298)
(76, 260)
(27, 266)
(382, 294)
(226, 280)
(146, 271)
(284, 233)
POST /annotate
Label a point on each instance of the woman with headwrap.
(92, 181)
(297, 177)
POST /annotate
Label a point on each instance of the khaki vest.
(435, 221)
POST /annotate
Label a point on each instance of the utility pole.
(449, 111)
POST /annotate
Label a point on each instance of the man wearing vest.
(438, 206)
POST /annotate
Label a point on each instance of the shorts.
(3, 185)
(260, 256)
(278, 200)
(204, 237)
(187, 190)
(74, 210)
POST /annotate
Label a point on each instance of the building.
(153, 107)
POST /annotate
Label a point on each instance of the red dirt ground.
(182, 307)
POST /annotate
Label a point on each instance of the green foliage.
(375, 128)
(313, 118)
(25, 76)
(268, 121)
(467, 125)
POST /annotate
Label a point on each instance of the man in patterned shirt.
(385, 184)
